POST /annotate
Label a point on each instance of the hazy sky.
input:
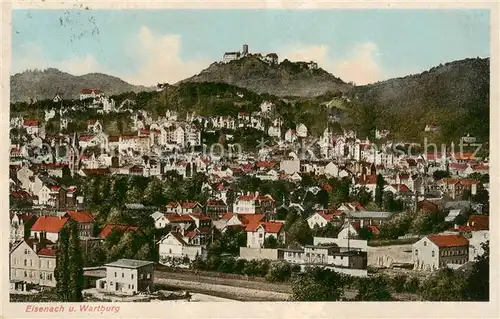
(150, 46)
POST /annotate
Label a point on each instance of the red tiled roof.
(458, 166)
(369, 180)
(31, 123)
(374, 229)
(49, 224)
(20, 194)
(480, 167)
(80, 216)
(265, 164)
(173, 204)
(215, 202)
(269, 227)
(468, 182)
(47, 252)
(110, 227)
(175, 218)
(90, 91)
(251, 218)
(326, 216)
(479, 222)
(96, 171)
(190, 205)
(401, 187)
(448, 240)
(327, 187)
(200, 216)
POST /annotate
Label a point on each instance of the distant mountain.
(454, 96)
(283, 79)
(47, 83)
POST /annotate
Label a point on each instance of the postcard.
(307, 159)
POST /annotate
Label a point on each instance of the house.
(90, 94)
(32, 262)
(215, 208)
(290, 136)
(173, 208)
(48, 227)
(159, 219)
(84, 221)
(319, 218)
(94, 126)
(258, 232)
(191, 208)
(173, 245)
(127, 277)
(349, 230)
(20, 226)
(254, 203)
(32, 127)
(274, 131)
(437, 251)
(301, 130)
(180, 222)
(109, 228)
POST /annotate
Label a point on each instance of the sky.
(155, 46)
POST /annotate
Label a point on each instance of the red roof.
(176, 218)
(215, 202)
(458, 166)
(47, 252)
(265, 164)
(269, 227)
(31, 123)
(251, 218)
(200, 216)
(20, 194)
(368, 180)
(173, 204)
(374, 229)
(80, 216)
(110, 227)
(49, 224)
(227, 216)
(448, 240)
(90, 91)
(401, 187)
(190, 205)
(326, 216)
(327, 187)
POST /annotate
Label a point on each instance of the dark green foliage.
(445, 285)
(373, 289)
(279, 272)
(299, 233)
(318, 284)
(271, 242)
(379, 190)
(478, 282)
(69, 265)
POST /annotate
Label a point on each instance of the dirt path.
(223, 291)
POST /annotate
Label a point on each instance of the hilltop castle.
(270, 58)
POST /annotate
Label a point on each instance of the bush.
(279, 272)
(399, 282)
(412, 285)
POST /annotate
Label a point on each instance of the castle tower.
(245, 49)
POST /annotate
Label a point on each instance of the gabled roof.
(269, 227)
(47, 252)
(110, 227)
(250, 218)
(49, 224)
(448, 240)
(80, 216)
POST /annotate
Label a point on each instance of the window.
(132, 276)
(148, 276)
(128, 286)
(25, 262)
(25, 251)
(132, 286)
(115, 274)
(425, 243)
(416, 252)
(111, 283)
(433, 253)
(41, 276)
(31, 262)
(123, 275)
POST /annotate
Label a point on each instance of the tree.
(361, 195)
(445, 285)
(318, 284)
(279, 272)
(440, 174)
(478, 282)
(300, 233)
(75, 267)
(365, 233)
(373, 289)
(379, 190)
(61, 273)
(270, 242)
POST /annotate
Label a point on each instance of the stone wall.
(385, 256)
(258, 253)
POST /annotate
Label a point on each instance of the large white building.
(127, 276)
(437, 251)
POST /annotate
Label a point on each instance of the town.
(162, 199)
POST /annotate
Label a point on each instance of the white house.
(127, 276)
(32, 127)
(290, 136)
(159, 219)
(258, 232)
(319, 218)
(301, 130)
(173, 245)
(437, 251)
